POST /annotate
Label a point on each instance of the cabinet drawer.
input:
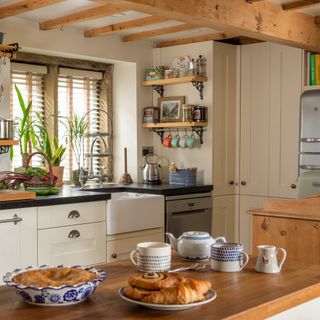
(121, 245)
(71, 214)
(80, 244)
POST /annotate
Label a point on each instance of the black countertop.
(162, 189)
(70, 194)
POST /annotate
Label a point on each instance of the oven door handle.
(189, 212)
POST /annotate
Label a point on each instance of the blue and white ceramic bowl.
(55, 296)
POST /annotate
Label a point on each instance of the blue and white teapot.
(193, 245)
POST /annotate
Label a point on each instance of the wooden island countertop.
(241, 295)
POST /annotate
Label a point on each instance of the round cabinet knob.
(114, 256)
(243, 183)
(231, 183)
(293, 186)
(283, 233)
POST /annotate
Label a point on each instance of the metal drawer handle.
(15, 220)
(74, 234)
(74, 214)
(114, 256)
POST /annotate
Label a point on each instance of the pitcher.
(267, 261)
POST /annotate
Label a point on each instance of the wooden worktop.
(242, 295)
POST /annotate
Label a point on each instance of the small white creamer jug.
(267, 261)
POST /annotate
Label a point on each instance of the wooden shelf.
(174, 124)
(162, 82)
(8, 142)
(161, 127)
(8, 50)
(5, 145)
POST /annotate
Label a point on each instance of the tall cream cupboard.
(255, 134)
(271, 84)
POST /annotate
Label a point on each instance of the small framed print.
(170, 108)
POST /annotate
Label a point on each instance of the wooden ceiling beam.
(24, 6)
(100, 31)
(194, 39)
(295, 5)
(80, 16)
(157, 32)
(265, 20)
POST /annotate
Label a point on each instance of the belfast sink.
(130, 211)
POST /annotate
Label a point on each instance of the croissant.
(155, 280)
(187, 292)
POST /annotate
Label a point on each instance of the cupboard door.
(83, 244)
(18, 247)
(254, 132)
(285, 91)
(223, 221)
(245, 219)
(224, 118)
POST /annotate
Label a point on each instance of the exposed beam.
(24, 6)
(194, 39)
(84, 15)
(158, 32)
(266, 20)
(294, 5)
(100, 31)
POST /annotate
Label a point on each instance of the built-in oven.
(188, 212)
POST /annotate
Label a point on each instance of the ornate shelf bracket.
(199, 132)
(4, 149)
(199, 86)
(160, 132)
(159, 89)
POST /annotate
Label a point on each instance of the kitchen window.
(63, 88)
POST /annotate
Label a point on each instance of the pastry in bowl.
(55, 286)
(166, 288)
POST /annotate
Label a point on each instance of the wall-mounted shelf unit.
(157, 85)
(8, 50)
(161, 127)
(6, 144)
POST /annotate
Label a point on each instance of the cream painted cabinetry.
(18, 248)
(271, 82)
(72, 233)
(120, 245)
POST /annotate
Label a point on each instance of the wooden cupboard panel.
(254, 135)
(18, 248)
(285, 91)
(71, 214)
(224, 118)
(300, 238)
(56, 246)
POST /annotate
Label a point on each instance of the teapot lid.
(196, 235)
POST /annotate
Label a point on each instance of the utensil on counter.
(125, 178)
(267, 260)
(195, 266)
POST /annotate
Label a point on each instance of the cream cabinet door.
(254, 115)
(18, 247)
(245, 220)
(285, 91)
(224, 118)
(78, 244)
(224, 221)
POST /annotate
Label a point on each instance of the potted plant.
(76, 128)
(53, 150)
(25, 130)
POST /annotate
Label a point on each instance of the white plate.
(181, 63)
(211, 295)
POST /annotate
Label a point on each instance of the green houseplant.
(25, 130)
(52, 149)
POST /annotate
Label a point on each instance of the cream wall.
(129, 60)
(200, 157)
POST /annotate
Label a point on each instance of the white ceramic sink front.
(130, 211)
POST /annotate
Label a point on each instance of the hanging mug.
(190, 141)
(182, 141)
(167, 141)
(175, 141)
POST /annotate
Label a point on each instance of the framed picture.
(170, 108)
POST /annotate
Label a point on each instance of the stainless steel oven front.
(188, 212)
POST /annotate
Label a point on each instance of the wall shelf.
(161, 127)
(6, 144)
(157, 85)
(9, 50)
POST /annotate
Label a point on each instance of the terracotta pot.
(58, 172)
